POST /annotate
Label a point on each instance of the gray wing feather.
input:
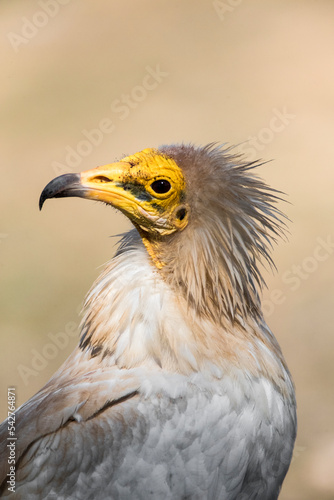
(197, 447)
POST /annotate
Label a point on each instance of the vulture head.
(204, 217)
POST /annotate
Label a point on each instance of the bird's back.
(163, 437)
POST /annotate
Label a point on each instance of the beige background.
(233, 71)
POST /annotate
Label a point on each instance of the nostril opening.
(102, 178)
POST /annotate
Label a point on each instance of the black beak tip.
(61, 187)
(42, 199)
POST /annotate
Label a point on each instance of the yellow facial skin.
(131, 186)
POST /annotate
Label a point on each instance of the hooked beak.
(61, 187)
(102, 184)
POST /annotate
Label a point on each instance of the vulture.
(178, 389)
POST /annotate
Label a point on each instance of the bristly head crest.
(233, 222)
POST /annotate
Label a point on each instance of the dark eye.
(161, 186)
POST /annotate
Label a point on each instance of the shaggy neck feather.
(162, 329)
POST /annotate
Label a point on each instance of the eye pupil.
(161, 186)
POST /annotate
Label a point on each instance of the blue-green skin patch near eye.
(157, 207)
(137, 190)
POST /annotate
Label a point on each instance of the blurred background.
(84, 83)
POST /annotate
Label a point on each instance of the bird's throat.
(152, 248)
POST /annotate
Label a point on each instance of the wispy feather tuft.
(233, 224)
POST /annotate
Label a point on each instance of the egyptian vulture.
(177, 389)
